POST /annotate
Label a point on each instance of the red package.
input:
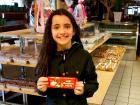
(62, 82)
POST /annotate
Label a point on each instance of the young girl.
(62, 55)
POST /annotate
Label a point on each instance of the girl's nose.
(62, 30)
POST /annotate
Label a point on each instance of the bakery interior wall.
(96, 11)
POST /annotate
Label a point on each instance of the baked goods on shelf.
(12, 55)
(2, 84)
(90, 43)
(28, 57)
(106, 58)
(11, 84)
(21, 85)
(28, 86)
(100, 52)
(106, 65)
(4, 59)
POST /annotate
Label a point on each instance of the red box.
(62, 82)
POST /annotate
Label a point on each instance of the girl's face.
(62, 31)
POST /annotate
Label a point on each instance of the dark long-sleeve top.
(74, 62)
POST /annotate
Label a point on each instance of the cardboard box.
(62, 82)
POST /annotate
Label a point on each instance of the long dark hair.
(48, 48)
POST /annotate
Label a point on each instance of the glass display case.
(123, 34)
(27, 37)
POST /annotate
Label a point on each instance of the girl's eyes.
(56, 27)
(65, 26)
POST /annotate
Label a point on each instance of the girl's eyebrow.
(59, 24)
(67, 24)
(55, 24)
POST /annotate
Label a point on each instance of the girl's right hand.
(42, 84)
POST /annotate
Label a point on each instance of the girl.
(62, 55)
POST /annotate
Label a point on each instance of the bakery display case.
(22, 53)
(123, 34)
(27, 46)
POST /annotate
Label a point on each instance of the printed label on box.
(62, 82)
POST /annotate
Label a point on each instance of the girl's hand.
(42, 84)
(79, 88)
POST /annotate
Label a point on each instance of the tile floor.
(125, 86)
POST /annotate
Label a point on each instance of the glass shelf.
(123, 34)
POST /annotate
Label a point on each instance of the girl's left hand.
(79, 88)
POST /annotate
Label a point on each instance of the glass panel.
(122, 41)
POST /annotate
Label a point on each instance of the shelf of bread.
(19, 85)
(11, 54)
(107, 58)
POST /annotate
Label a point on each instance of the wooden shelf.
(17, 64)
(26, 33)
(23, 90)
